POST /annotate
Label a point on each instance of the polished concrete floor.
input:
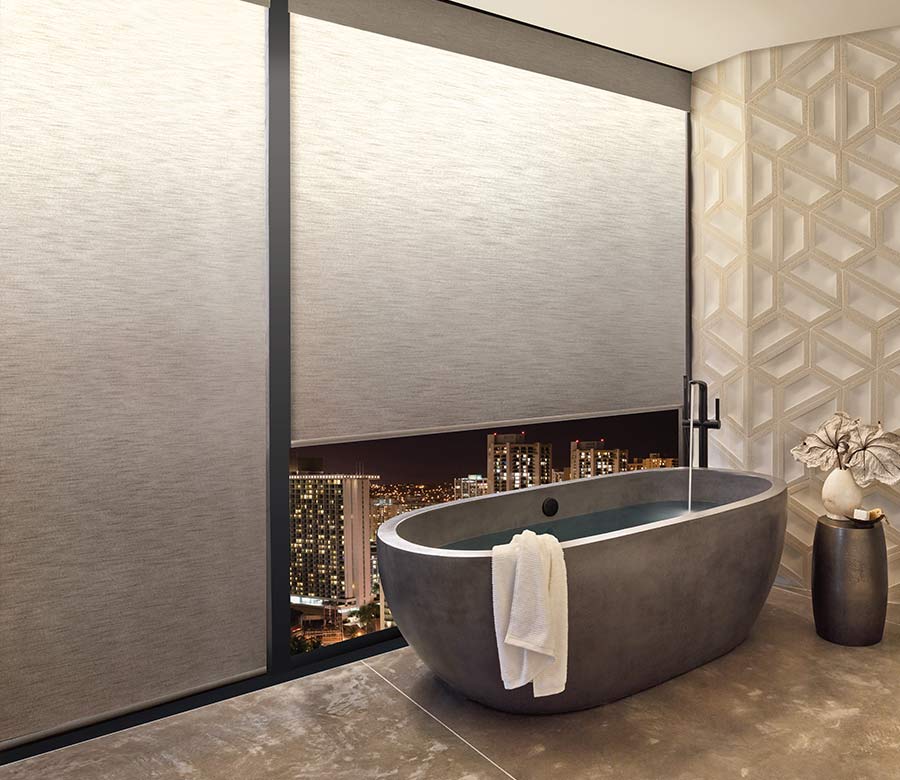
(785, 704)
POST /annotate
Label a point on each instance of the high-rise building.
(593, 459)
(513, 463)
(470, 486)
(331, 529)
(652, 461)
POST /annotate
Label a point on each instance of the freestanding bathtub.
(646, 603)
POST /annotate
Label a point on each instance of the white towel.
(531, 612)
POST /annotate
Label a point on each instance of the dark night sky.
(441, 457)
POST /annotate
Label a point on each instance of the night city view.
(341, 493)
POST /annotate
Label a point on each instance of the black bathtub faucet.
(703, 423)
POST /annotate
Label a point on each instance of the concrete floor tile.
(343, 724)
(785, 704)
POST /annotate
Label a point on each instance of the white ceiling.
(691, 34)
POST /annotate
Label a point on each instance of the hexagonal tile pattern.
(824, 111)
(849, 214)
(865, 63)
(831, 243)
(890, 95)
(815, 157)
(860, 104)
(801, 187)
(868, 183)
(881, 269)
(816, 68)
(815, 273)
(797, 257)
(868, 302)
(881, 149)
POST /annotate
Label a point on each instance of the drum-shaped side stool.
(849, 581)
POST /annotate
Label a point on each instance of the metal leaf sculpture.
(874, 455)
(826, 448)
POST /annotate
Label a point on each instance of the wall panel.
(796, 267)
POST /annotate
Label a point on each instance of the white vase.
(840, 494)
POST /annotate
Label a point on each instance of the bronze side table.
(849, 581)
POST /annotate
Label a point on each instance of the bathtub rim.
(389, 535)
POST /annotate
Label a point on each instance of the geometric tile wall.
(796, 258)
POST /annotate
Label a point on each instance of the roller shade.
(476, 244)
(133, 397)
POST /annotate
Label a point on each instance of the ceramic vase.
(840, 494)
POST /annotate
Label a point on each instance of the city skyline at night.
(441, 457)
(341, 494)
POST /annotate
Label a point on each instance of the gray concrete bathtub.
(645, 603)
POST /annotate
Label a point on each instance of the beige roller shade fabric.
(132, 355)
(476, 244)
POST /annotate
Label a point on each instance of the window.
(342, 493)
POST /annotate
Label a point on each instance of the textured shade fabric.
(476, 244)
(464, 30)
(133, 355)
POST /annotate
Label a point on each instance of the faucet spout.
(703, 423)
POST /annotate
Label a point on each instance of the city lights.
(335, 588)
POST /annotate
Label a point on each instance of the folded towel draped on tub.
(531, 612)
